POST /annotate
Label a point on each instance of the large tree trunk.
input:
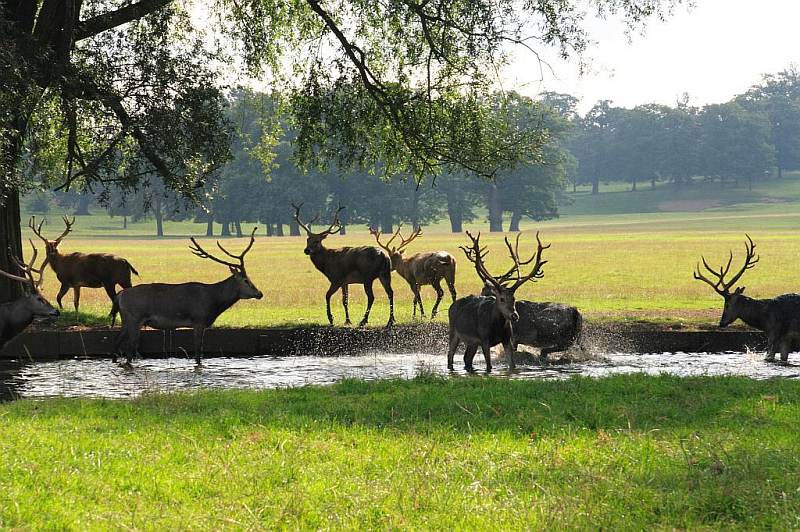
(158, 215)
(495, 210)
(596, 185)
(294, 228)
(10, 239)
(270, 229)
(84, 200)
(455, 212)
(225, 230)
(387, 224)
(279, 229)
(210, 225)
(237, 225)
(514, 225)
(633, 184)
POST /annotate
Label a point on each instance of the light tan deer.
(90, 270)
(481, 321)
(16, 315)
(348, 265)
(779, 317)
(421, 268)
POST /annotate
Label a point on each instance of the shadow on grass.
(636, 403)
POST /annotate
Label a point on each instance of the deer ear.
(739, 290)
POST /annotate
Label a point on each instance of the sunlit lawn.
(617, 267)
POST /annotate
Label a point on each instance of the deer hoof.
(347, 322)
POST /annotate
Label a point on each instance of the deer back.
(427, 267)
(352, 264)
(91, 269)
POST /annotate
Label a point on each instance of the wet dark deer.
(779, 317)
(551, 327)
(16, 315)
(194, 305)
(481, 321)
(90, 270)
(348, 265)
(421, 268)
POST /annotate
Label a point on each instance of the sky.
(712, 51)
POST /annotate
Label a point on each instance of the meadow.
(628, 452)
(613, 264)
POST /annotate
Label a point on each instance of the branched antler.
(203, 254)
(722, 287)
(27, 269)
(335, 226)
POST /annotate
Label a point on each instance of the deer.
(347, 265)
(195, 305)
(481, 321)
(16, 315)
(551, 327)
(421, 268)
(779, 316)
(90, 270)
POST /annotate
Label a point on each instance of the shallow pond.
(102, 378)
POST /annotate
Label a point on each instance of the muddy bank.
(332, 341)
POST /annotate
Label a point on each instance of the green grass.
(627, 452)
(628, 266)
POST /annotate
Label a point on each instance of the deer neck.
(14, 317)
(226, 294)
(322, 259)
(402, 265)
(753, 312)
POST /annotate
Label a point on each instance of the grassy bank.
(624, 452)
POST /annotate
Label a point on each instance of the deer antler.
(721, 287)
(27, 269)
(67, 229)
(203, 254)
(307, 228)
(475, 254)
(37, 229)
(406, 241)
(514, 252)
(536, 272)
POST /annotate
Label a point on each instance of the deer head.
(314, 240)
(245, 287)
(32, 283)
(50, 246)
(723, 287)
(395, 252)
(497, 286)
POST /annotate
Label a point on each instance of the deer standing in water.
(552, 327)
(348, 265)
(76, 270)
(481, 321)
(16, 315)
(779, 317)
(421, 268)
(195, 305)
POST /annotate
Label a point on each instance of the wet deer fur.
(347, 265)
(481, 321)
(90, 270)
(194, 305)
(16, 315)
(427, 268)
(779, 316)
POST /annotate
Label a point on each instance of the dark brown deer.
(552, 327)
(779, 317)
(421, 268)
(90, 270)
(16, 315)
(195, 305)
(348, 265)
(484, 322)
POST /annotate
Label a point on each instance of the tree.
(403, 83)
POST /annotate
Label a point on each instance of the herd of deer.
(486, 320)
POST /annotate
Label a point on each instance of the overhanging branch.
(106, 21)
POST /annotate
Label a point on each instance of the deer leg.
(121, 336)
(332, 290)
(77, 291)
(419, 298)
(786, 345)
(469, 354)
(370, 300)
(452, 347)
(199, 332)
(112, 294)
(451, 285)
(771, 348)
(386, 281)
(61, 292)
(133, 341)
(414, 310)
(437, 285)
(345, 301)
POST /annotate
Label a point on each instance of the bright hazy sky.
(713, 51)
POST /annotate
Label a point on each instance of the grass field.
(620, 267)
(628, 452)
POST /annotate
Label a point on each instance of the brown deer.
(76, 270)
(195, 305)
(779, 317)
(348, 265)
(481, 321)
(16, 315)
(421, 268)
(552, 327)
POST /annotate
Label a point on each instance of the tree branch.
(106, 21)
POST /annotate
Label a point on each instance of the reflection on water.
(102, 378)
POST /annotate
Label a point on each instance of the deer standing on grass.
(195, 305)
(481, 321)
(18, 314)
(421, 268)
(779, 317)
(348, 265)
(552, 327)
(76, 270)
